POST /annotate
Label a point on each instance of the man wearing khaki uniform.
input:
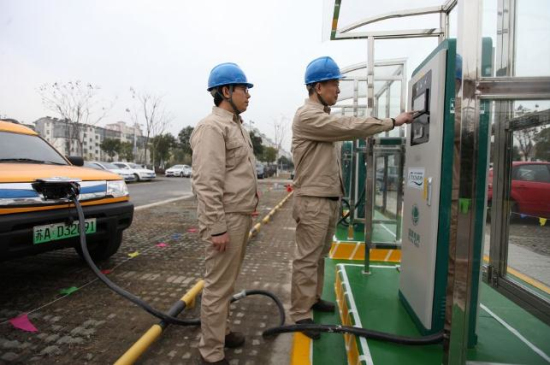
(318, 182)
(224, 180)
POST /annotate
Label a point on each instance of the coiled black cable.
(360, 201)
(131, 297)
(277, 301)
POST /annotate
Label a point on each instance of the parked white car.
(178, 171)
(100, 165)
(140, 173)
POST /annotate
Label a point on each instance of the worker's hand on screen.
(404, 118)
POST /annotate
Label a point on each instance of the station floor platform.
(507, 334)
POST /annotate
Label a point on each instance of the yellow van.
(30, 224)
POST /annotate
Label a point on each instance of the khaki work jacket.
(316, 156)
(224, 169)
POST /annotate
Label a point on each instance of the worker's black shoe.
(313, 334)
(234, 339)
(221, 362)
(323, 306)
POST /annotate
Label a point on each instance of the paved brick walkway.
(95, 326)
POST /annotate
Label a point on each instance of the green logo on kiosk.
(415, 214)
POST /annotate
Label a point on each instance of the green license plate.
(59, 231)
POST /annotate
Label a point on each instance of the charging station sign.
(415, 178)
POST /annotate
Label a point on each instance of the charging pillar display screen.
(420, 130)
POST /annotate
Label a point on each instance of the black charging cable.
(375, 335)
(73, 194)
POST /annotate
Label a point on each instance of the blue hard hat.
(226, 74)
(322, 69)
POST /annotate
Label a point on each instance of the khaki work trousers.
(221, 271)
(316, 220)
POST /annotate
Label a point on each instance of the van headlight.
(117, 188)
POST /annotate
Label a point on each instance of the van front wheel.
(101, 251)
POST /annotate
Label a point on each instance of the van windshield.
(24, 148)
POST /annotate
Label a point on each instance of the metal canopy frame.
(345, 32)
(473, 88)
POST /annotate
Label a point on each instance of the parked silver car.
(178, 171)
(100, 165)
(140, 173)
(260, 170)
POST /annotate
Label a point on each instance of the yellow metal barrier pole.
(138, 348)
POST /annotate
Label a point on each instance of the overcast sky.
(169, 47)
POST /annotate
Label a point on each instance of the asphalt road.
(159, 189)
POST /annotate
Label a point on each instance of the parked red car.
(530, 193)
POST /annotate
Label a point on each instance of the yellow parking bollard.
(139, 347)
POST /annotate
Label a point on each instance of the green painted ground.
(383, 232)
(380, 309)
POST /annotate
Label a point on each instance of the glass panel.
(532, 35)
(358, 72)
(353, 11)
(532, 31)
(386, 228)
(383, 72)
(382, 85)
(346, 92)
(381, 105)
(529, 192)
(488, 25)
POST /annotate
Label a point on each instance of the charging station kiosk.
(428, 188)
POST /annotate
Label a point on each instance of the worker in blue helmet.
(224, 181)
(318, 182)
(223, 80)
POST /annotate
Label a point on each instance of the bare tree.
(526, 139)
(526, 136)
(151, 110)
(280, 127)
(77, 104)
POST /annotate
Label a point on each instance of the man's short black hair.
(311, 87)
(217, 95)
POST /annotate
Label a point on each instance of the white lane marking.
(377, 266)
(333, 252)
(517, 334)
(387, 229)
(310, 352)
(141, 207)
(357, 245)
(362, 340)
